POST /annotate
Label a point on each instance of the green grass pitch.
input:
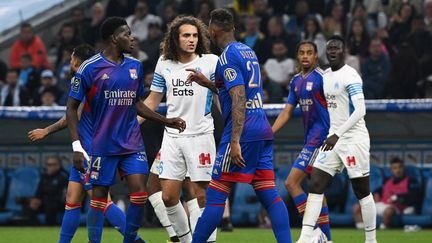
(239, 235)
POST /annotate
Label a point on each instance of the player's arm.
(201, 79)
(283, 117)
(238, 107)
(147, 113)
(152, 102)
(41, 133)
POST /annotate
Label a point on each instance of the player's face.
(335, 52)
(188, 38)
(306, 56)
(213, 31)
(75, 63)
(123, 39)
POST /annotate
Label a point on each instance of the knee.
(201, 197)
(291, 185)
(316, 186)
(169, 200)
(361, 193)
(389, 212)
(100, 192)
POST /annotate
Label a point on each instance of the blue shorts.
(76, 176)
(258, 156)
(103, 169)
(306, 158)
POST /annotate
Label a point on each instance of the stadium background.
(398, 128)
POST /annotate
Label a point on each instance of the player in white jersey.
(347, 145)
(190, 153)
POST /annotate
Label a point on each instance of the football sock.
(70, 222)
(324, 222)
(116, 218)
(300, 202)
(194, 213)
(178, 218)
(368, 211)
(276, 209)
(134, 215)
(312, 212)
(95, 219)
(160, 211)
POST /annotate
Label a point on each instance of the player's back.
(238, 65)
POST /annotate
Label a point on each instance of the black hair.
(396, 160)
(337, 38)
(83, 51)
(26, 25)
(304, 43)
(222, 18)
(110, 25)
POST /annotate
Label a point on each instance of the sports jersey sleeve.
(158, 82)
(140, 91)
(214, 60)
(230, 70)
(354, 86)
(80, 84)
(291, 96)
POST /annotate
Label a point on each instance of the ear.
(113, 39)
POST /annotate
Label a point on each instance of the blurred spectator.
(358, 39)
(68, 38)
(243, 7)
(151, 45)
(335, 24)
(29, 43)
(404, 74)
(428, 15)
(203, 10)
(313, 33)
(121, 8)
(92, 35)
(280, 67)
(394, 5)
(273, 90)
(352, 60)
(48, 98)
(51, 192)
(359, 12)
(374, 10)
(80, 23)
(169, 12)
(296, 22)
(263, 12)
(398, 195)
(13, 94)
(63, 71)
(140, 20)
(375, 70)
(3, 71)
(48, 81)
(400, 23)
(251, 36)
(29, 76)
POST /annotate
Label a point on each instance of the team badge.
(309, 86)
(75, 84)
(133, 73)
(230, 74)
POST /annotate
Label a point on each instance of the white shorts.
(155, 166)
(381, 207)
(187, 156)
(354, 157)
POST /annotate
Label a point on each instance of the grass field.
(239, 235)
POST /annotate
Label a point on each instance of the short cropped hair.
(83, 52)
(396, 160)
(338, 38)
(222, 18)
(110, 25)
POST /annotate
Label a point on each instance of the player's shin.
(95, 219)
(324, 222)
(70, 222)
(276, 209)
(312, 212)
(368, 211)
(134, 215)
(160, 211)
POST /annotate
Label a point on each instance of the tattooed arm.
(238, 107)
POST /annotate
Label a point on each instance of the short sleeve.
(80, 84)
(291, 95)
(214, 60)
(140, 90)
(354, 85)
(158, 82)
(230, 71)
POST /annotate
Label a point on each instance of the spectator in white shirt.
(280, 67)
(140, 20)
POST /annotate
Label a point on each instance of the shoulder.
(210, 57)
(89, 63)
(318, 73)
(348, 70)
(132, 60)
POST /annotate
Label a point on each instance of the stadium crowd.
(388, 43)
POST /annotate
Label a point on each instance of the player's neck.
(337, 67)
(113, 55)
(306, 71)
(187, 57)
(225, 40)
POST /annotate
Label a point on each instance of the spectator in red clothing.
(29, 43)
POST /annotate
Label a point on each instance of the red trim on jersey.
(321, 99)
(277, 200)
(89, 97)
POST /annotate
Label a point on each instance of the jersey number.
(96, 165)
(254, 67)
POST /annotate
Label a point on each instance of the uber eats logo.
(182, 88)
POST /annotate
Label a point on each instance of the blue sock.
(324, 223)
(116, 218)
(300, 202)
(95, 219)
(70, 222)
(216, 196)
(277, 211)
(134, 216)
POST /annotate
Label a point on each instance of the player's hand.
(37, 134)
(236, 155)
(176, 123)
(330, 142)
(197, 77)
(78, 161)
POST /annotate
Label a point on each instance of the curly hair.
(171, 38)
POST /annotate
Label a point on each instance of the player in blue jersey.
(112, 85)
(306, 90)
(78, 183)
(245, 151)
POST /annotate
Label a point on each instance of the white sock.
(178, 217)
(368, 211)
(194, 213)
(161, 213)
(311, 214)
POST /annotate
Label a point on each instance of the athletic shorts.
(306, 158)
(103, 169)
(354, 157)
(156, 165)
(258, 156)
(76, 176)
(182, 157)
(381, 207)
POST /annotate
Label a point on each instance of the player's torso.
(309, 94)
(189, 100)
(256, 126)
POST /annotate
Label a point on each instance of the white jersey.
(341, 87)
(189, 101)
